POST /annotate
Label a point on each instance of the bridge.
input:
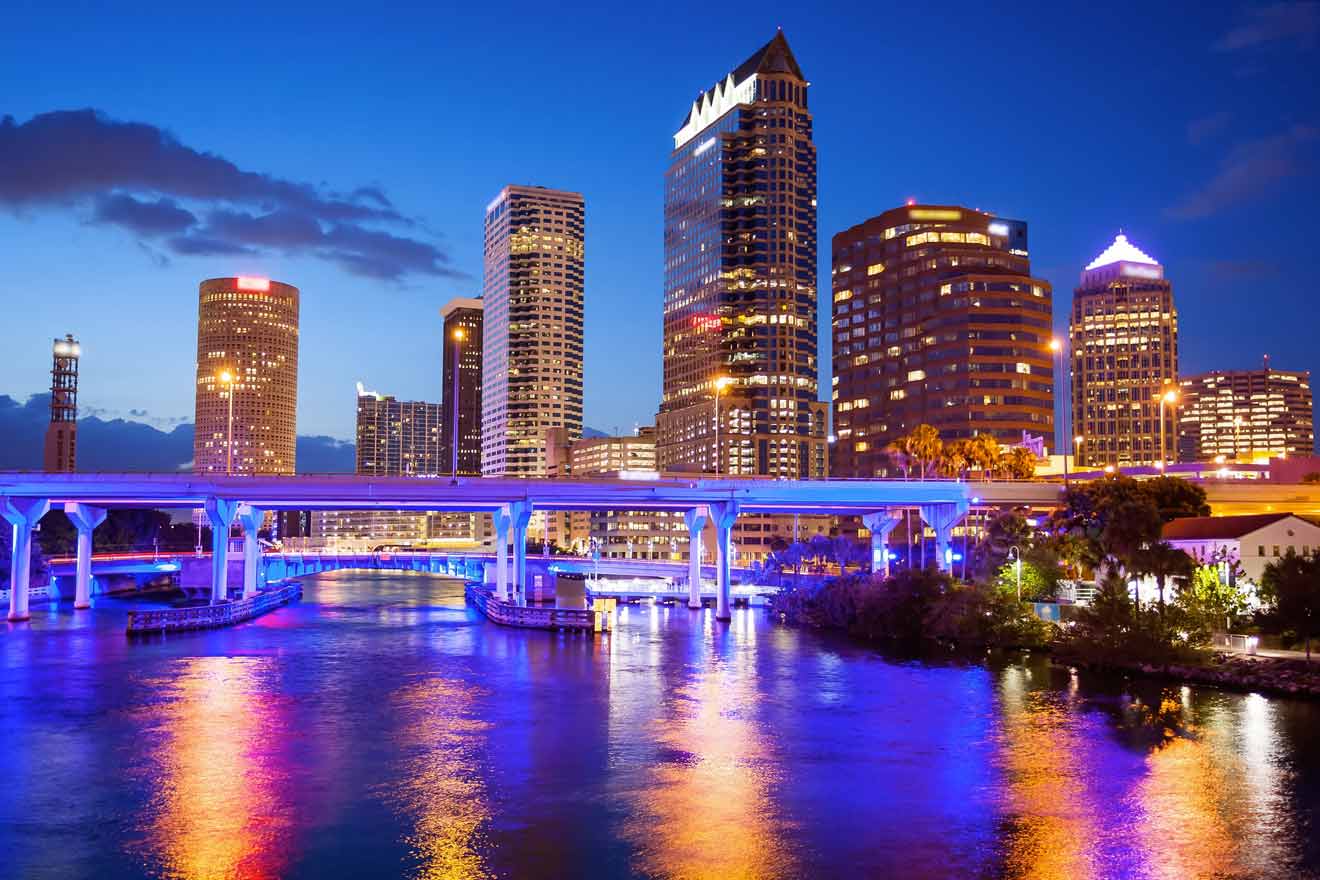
(941, 504)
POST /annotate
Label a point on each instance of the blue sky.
(1195, 127)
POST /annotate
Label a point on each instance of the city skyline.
(1226, 142)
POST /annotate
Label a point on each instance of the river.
(381, 728)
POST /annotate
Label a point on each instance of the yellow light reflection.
(219, 806)
(441, 788)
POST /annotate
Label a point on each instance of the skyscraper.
(61, 450)
(531, 367)
(1124, 339)
(1245, 415)
(247, 377)
(398, 437)
(740, 279)
(936, 320)
(462, 342)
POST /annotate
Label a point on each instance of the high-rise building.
(247, 377)
(588, 457)
(61, 451)
(398, 437)
(1245, 415)
(740, 366)
(1124, 354)
(462, 329)
(936, 320)
(531, 357)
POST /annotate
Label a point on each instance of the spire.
(773, 57)
(1121, 251)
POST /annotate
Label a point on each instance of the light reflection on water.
(380, 728)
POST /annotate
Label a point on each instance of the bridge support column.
(696, 524)
(880, 525)
(942, 518)
(520, 515)
(22, 514)
(251, 518)
(723, 514)
(502, 520)
(221, 513)
(85, 519)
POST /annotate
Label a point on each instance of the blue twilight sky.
(366, 140)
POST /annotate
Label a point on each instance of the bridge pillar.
(85, 519)
(723, 514)
(520, 514)
(22, 514)
(502, 520)
(696, 524)
(880, 525)
(221, 513)
(251, 518)
(942, 518)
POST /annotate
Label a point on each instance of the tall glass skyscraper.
(740, 279)
(462, 352)
(531, 353)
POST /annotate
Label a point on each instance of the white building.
(1254, 541)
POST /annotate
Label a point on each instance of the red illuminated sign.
(253, 284)
(706, 323)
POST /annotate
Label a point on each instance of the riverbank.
(1238, 672)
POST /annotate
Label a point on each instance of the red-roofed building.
(1255, 540)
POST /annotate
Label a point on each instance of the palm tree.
(924, 445)
(954, 458)
(901, 450)
(1019, 463)
(983, 452)
(1164, 562)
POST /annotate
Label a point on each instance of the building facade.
(740, 364)
(1245, 415)
(937, 320)
(532, 343)
(61, 446)
(1124, 354)
(461, 389)
(398, 438)
(1252, 541)
(247, 359)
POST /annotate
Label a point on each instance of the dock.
(530, 616)
(213, 616)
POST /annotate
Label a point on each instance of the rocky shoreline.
(1288, 678)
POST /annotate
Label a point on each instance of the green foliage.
(1113, 630)
(1291, 587)
(1115, 518)
(1211, 601)
(1039, 582)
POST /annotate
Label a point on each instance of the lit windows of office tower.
(1245, 415)
(398, 438)
(531, 357)
(936, 320)
(740, 279)
(1124, 355)
(247, 348)
(462, 341)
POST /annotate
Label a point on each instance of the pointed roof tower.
(1121, 258)
(739, 87)
(773, 57)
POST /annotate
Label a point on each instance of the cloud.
(1236, 271)
(1275, 23)
(1199, 130)
(142, 179)
(1250, 170)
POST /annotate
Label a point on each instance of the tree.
(1019, 463)
(1006, 530)
(954, 458)
(984, 455)
(1164, 562)
(1211, 596)
(1291, 585)
(924, 446)
(1175, 498)
(1113, 518)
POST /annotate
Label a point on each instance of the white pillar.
(942, 518)
(880, 525)
(22, 514)
(521, 514)
(723, 514)
(221, 513)
(696, 523)
(251, 518)
(85, 519)
(502, 520)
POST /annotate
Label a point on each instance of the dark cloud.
(1275, 23)
(1250, 170)
(141, 178)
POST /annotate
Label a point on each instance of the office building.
(462, 353)
(1245, 415)
(936, 320)
(1123, 340)
(61, 446)
(398, 437)
(247, 377)
(531, 357)
(740, 366)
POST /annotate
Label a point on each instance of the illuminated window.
(875, 268)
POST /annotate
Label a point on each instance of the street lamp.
(227, 379)
(1015, 556)
(1168, 397)
(720, 384)
(459, 335)
(1056, 346)
(1077, 456)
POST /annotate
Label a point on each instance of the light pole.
(1168, 397)
(720, 384)
(1077, 454)
(1015, 555)
(459, 335)
(227, 379)
(1061, 431)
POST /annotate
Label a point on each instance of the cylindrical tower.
(62, 433)
(247, 377)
